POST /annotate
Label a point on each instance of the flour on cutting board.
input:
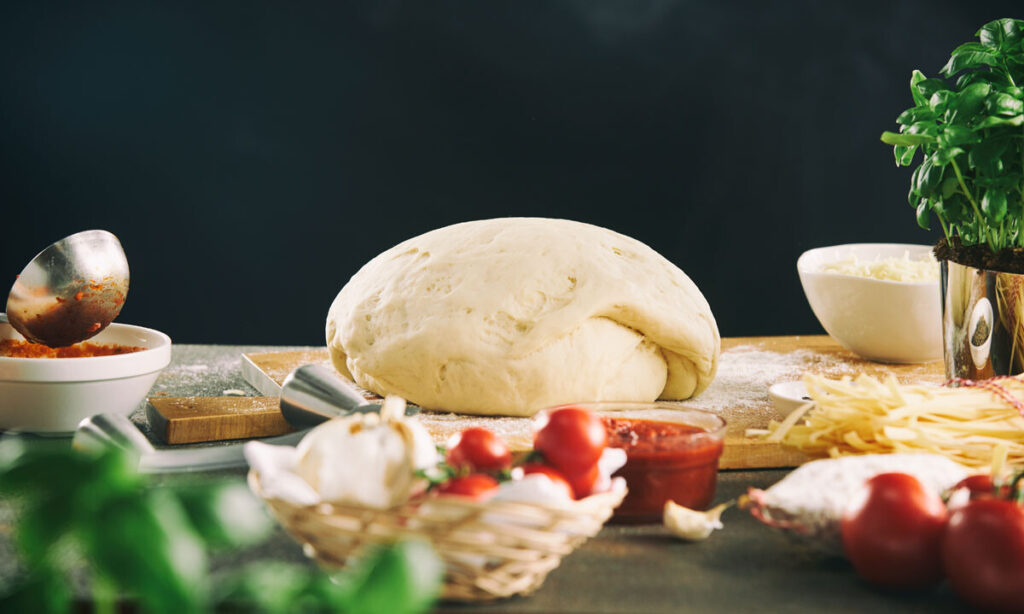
(745, 373)
(207, 378)
(739, 392)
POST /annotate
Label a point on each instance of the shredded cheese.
(889, 269)
(974, 426)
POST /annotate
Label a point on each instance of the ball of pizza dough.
(511, 315)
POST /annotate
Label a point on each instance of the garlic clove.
(693, 525)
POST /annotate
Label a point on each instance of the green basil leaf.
(403, 579)
(1000, 34)
(906, 140)
(969, 55)
(280, 588)
(43, 592)
(969, 103)
(1007, 183)
(1014, 207)
(42, 526)
(929, 128)
(225, 515)
(904, 154)
(949, 186)
(953, 135)
(982, 76)
(1004, 104)
(917, 114)
(929, 180)
(945, 155)
(924, 211)
(953, 209)
(986, 157)
(993, 205)
(927, 87)
(913, 195)
(169, 575)
(940, 100)
(916, 78)
(992, 121)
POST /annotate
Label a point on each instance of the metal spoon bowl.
(71, 290)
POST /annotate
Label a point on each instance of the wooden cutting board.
(747, 367)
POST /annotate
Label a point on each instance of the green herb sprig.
(971, 137)
(150, 544)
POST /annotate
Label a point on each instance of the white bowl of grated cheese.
(878, 300)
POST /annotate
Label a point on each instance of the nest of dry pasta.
(976, 423)
(491, 549)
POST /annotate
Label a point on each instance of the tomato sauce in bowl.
(16, 348)
(666, 460)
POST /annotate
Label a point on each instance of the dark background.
(251, 155)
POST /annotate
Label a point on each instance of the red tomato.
(981, 486)
(583, 483)
(478, 486)
(572, 439)
(983, 554)
(892, 532)
(553, 474)
(480, 450)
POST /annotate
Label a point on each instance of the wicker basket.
(490, 550)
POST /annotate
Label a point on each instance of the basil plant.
(970, 133)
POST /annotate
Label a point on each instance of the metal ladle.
(71, 290)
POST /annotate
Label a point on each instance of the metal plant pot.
(982, 321)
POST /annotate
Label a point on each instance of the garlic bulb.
(367, 459)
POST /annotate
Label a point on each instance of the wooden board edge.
(157, 422)
(258, 379)
(744, 453)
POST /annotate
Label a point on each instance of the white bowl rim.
(804, 269)
(155, 357)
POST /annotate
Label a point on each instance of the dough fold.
(511, 315)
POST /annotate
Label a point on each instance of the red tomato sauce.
(16, 348)
(664, 460)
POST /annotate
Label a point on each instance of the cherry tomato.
(584, 483)
(981, 486)
(480, 450)
(892, 532)
(477, 486)
(983, 554)
(553, 474)
(572, 440)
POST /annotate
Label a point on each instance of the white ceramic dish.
(51, 396)
(883, 321)
(788, 396)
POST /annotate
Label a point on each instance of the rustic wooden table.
(744, 568)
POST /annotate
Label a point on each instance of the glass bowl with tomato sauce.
(672, 454)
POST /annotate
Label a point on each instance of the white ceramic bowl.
(52, 395)
(884, 321)
(788, 396)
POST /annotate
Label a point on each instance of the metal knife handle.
(226, 456)
(101, 430)
(313, 394)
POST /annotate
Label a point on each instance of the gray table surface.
(745, 567)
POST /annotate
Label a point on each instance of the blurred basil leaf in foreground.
(149, 544)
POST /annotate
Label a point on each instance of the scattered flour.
(745, 373)
(739, 393)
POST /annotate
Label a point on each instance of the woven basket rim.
(527, 540)
(571, 508)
